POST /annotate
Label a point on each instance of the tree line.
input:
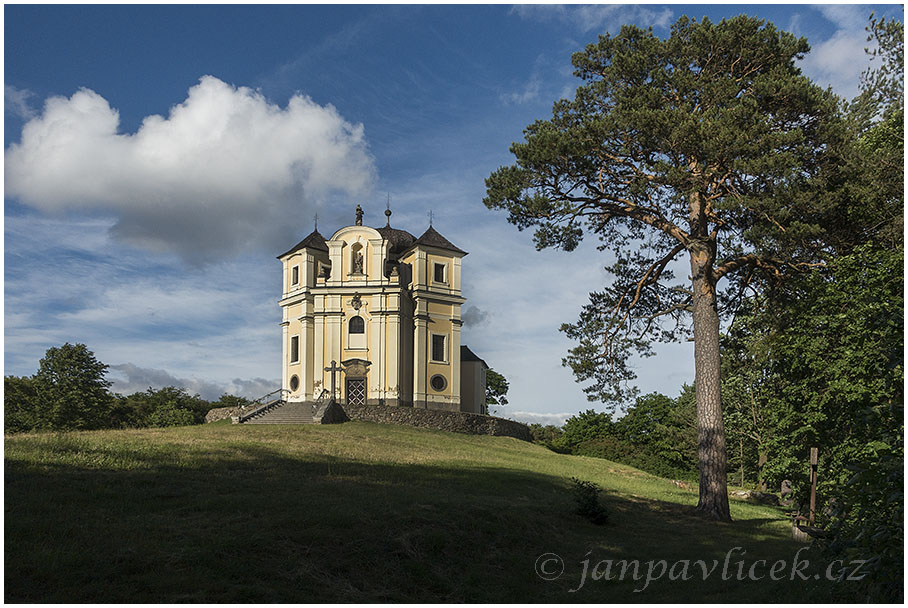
(70, 392)
(657, 434)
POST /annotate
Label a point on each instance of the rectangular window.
(294, 349)
(439, 348)
(439, 273)
(295, 276)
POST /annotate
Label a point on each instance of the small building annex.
(384, 307)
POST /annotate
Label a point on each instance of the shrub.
(868, 521)
(545, 435)
(170, 415)
(586, 495)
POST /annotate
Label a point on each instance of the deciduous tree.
(72, 389)
(496, 388)
(21, 408)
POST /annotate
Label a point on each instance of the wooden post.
(813, 483)
(741, 448)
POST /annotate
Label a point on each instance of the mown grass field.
(357, 512)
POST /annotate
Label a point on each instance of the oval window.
(294, 383)
(438, 382)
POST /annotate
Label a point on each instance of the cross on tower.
(334, 368)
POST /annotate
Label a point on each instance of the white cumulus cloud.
(839, 60)
(220, 172)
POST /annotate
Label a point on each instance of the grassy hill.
(355, 512)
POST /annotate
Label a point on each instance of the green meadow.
(362, 512)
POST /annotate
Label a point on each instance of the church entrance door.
(356, 391)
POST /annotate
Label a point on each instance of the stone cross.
(334, 369)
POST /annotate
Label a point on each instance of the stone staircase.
(284, 413)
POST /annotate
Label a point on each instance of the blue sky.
(157, 158)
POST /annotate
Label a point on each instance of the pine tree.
(709, 144)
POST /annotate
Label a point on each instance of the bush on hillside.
(170, 414)
(140, 409)
(545, 435)
(586, 496)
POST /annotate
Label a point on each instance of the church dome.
(400, 239)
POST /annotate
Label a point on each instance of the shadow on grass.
(244, 523)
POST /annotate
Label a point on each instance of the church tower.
(435, 290)
(380, 304)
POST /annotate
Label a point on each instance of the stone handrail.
(262, 405)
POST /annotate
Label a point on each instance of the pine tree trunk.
(711, 432)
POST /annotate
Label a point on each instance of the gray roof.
(467, 355)
(314, 241)
(400, 239)
(432, 238)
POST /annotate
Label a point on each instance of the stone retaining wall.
(219, 413)
(458, 422)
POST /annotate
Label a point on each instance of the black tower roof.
(314, 241)
(432, 238)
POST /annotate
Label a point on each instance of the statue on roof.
(359, 215)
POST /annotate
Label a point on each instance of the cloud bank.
(591, 17)
(128, 378)
(222, 171)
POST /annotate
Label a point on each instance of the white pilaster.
(392, 347)
(318, 360)
(455, 275)
(306, 349)
(455, 358)
(285, 345)
(420, 352)
(376, 352)
(336, 255)
(379, 248)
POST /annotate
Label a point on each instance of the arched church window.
(357, 325)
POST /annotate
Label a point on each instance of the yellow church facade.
(376, 310)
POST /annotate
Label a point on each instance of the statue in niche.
(358, 262)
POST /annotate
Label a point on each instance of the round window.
(438, 382)
(294, 383)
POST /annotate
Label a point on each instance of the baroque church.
(371, 316)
